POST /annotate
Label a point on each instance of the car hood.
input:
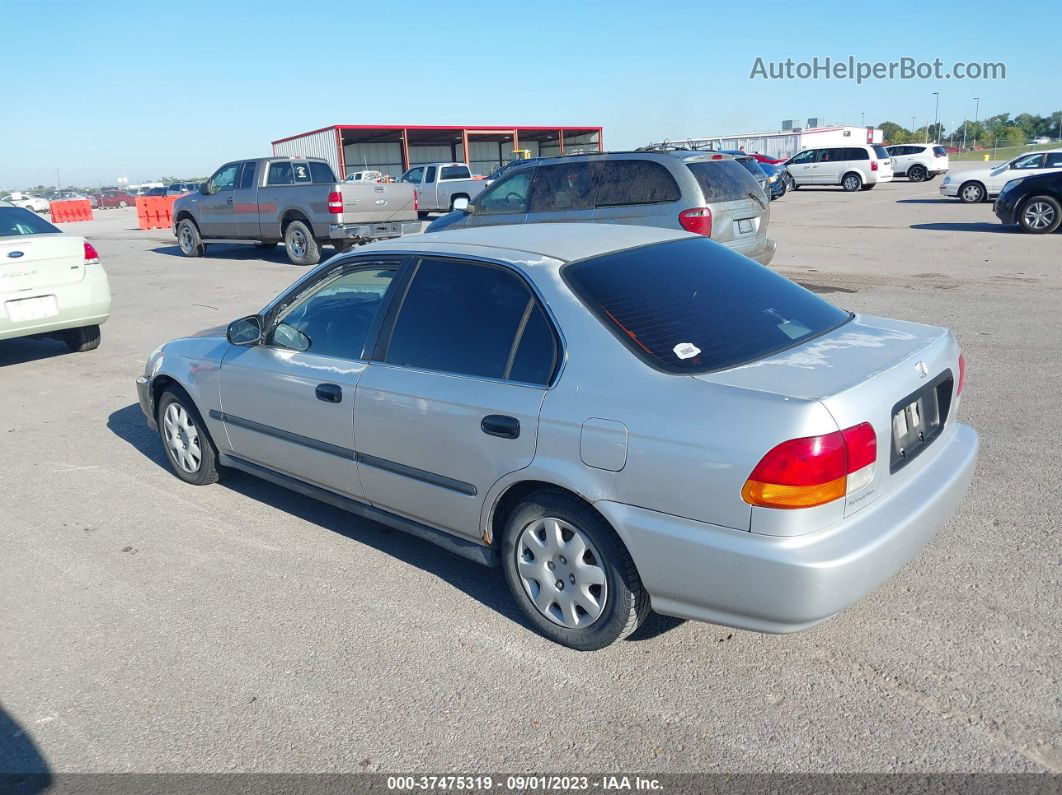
(977, 173)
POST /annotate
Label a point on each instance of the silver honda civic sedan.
(622, 418)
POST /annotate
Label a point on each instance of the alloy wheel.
(182, 438)
(1038, 215)
(561, 572)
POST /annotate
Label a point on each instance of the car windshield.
(692, 306)
(18, 221)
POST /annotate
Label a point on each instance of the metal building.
(785, 143)
(393, 148)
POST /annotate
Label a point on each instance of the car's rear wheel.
(301, 245)
(916, 173)
(1040, 215)
(122, 205)
(851, 182)
(570, 574)
(972, 193)
(189, 449)
(80, 340)
(188, 239)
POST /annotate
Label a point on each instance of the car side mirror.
(204, 189)
(462, 204)
(245, 331)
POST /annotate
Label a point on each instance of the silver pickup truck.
(439, 185)
(296, 201)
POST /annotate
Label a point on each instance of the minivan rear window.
(939, 151)
(692, 306)
(723, 180)
(881, 152)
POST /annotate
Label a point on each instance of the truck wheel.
(188, 239)
(301, 246)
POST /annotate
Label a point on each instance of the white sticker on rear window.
(686, 350)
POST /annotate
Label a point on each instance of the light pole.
(977, 108)
(58, 184)
(936, 117)
(862, 119)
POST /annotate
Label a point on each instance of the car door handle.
(500, 425)
(329, 393)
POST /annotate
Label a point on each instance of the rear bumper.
(785, 584)
(83, 303)
(761, 249)
(382, 231)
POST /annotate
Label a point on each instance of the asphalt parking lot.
(147, 625)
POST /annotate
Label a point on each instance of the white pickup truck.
(438, 185)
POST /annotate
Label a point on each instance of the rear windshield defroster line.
(693, 306)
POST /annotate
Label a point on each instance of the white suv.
(918, 162)
(851, 167)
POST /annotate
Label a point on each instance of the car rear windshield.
(19, 221)
(693, 306)
(939, 151)
(881, 152)
(723, 180)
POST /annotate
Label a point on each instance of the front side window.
(334, 317)
(690, 306)
(1029, 161)
(1054, 160)
(224, 178)
(280, 173)
(624, 182)
(474, 320)
(507, 195)
(804, 157)
(563, 187)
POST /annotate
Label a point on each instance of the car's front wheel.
(188, 447)
(1040, 215)
(570, 574)
(972, 193)
(191, 244)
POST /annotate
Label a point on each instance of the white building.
(787, 142)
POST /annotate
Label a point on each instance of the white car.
(918, 162)
(852, 167)
(52, 283)
(35, 203)
(984, 183)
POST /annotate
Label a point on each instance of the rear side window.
(623, 182)
(723, 180)
(455, 172)
(880, 151)
(20, 221)
(939, 151)
(689, 306)
(321, 173)
(470, 319)
(857, 153)
(1054, 160)
(246, 176)
(429, 176)
(565, 186)
(280, 174)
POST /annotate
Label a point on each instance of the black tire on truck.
(300, 243)
(188, 238)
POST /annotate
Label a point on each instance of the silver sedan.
(622, 418)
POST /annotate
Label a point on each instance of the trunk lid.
(376, 202)
(869, 370)
(35, 263)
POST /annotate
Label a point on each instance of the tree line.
(1000, 130)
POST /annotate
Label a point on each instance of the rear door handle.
(500, 425)
(329, 393)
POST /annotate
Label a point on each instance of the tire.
(422, 214)
(80, 340)
(851, 182)
(300, 244)
(266, 245)
(916, 174)
(189, 448)
(1040, 215)
(868, 187)
(972, 193)
(342, 246)
(790, 183)
(534, 539)
(783, 191)
(188, 239)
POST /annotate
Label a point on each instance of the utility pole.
(58, 184)
(936, 118)
(977, 108)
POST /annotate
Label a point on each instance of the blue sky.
(151, 89)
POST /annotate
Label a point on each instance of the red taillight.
(335, 202)
(697, 220)
(91, 257)
(962, 374)
(873, 165)
(416, 204)
(814, 470)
